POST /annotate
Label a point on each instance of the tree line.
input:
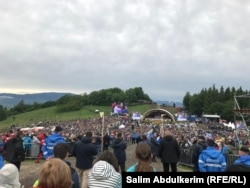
(69, 103)
(221, 101)
(207, 101)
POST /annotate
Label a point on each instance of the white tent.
(25, 129)
(121, 126)
(37, 128)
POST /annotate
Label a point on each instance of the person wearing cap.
(244, 157)
(211, 159)
(9, 176)
(51, 141)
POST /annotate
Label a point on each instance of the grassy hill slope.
(49, 114)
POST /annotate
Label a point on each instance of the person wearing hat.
(9, 176)
(51, 141)
(244, 157)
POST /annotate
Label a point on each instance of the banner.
(101, 114)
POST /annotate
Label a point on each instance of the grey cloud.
(166, 47)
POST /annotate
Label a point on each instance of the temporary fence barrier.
(186, 158)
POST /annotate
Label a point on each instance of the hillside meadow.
(51, 114)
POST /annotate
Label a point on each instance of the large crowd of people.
(91, 145)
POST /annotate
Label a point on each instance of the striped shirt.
(104, 175)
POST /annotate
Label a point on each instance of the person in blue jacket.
(211, 159)
(51, 141)
(244, 157)
(27, 141)
(1, 152)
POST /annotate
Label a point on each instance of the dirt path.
(29, 169)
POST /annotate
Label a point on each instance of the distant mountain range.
(9, 100)
(169, 103)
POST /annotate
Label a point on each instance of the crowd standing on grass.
(155, 143)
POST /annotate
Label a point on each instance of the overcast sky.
(167, 47)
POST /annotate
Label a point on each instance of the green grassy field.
(50, 114)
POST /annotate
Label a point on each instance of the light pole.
(162, 128)
(102, 116)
